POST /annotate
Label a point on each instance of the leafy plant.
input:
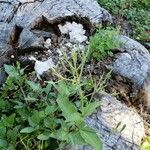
(135, 12)
(102, 43)
(49, 116)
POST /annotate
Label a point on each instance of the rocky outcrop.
(29, 13)
(2, 76)
(7, 36)
(119, 127)
(133, 62)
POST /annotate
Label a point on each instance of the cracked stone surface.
(7, 9)
(133, 62)
(25, 12)
(6, 38)
(105, 121)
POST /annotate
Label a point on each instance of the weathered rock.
(134, 62)
(108, 117)
(43, 34)
(28, 13)
(8, 9)
(2, 76)
(7, 32)
(29, 41)
(7, 41)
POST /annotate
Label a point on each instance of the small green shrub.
(135, 12)
(34, 116)
(102, 43)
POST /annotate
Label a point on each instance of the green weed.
(103, 42)
(136, 12)
(34, 116)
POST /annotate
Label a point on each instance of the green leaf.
(66, 106)
(2, 132)
(11, 147)
(74, 117)
(75, 138)
(110, 53)
(43, 137)
(62, 89)
(27, 130)
(3, 104)
(41, 114)
(73, 88)
(148, 44)
(34, 86)
(60, 135)
(50, 109)
(49, 122)
(11, 71)
(9, 121)
(91, 138)
(3, 143)
(48, 88)
(12, 135)
(35, 119)
(90, 108)
(23, 113)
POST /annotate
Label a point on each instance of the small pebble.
(49, 51)
(12, 56)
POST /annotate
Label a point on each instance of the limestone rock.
(28, 13)
(134, 62)
(112, 114)
(8, 9)
(2, 76)
(7, 40)
(7, 33)
(29, 41)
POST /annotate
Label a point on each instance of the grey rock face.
(134, 62)
(6, 33)
(28, 13)
(2, 76)
(108, 117)
(7, 9)
(29, 41)
(6, 30)
(113, 112)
